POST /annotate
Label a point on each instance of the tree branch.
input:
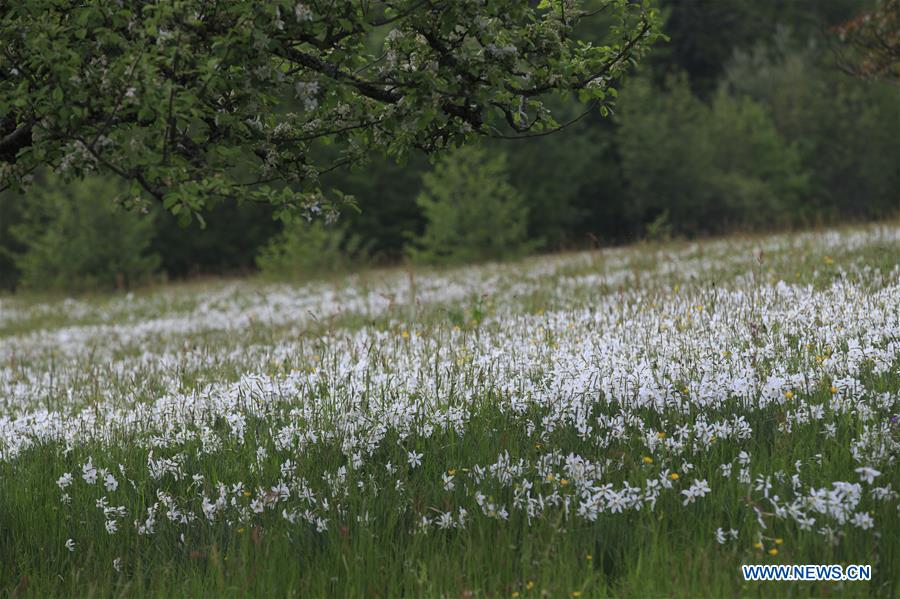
(17, 139)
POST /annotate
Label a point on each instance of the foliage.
(196, 102)
(10, 214)
(756, 173)
(845, 129)
(871, 42)
(386, 192)
(310, 248)
(708, 168)
(472, 212)
(228, 241)
(831, 155)
(76, 237)
(704, 34)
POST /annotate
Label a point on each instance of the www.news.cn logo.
(784, 572)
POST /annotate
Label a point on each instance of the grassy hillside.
(630, 422)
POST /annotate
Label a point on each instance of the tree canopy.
(194, 101)
(871, 43)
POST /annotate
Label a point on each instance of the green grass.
(374, 545)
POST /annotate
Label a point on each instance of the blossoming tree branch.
(196, 101)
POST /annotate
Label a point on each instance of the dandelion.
(647, 459)
(773, 552)
(789, 394)
(674, 476)
(589, 557)
(758, 545)
(779, 541)
(529, 585)
(405, 334)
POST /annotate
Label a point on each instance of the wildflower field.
(628, 422)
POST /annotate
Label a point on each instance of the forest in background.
(743, 120)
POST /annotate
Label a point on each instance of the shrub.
(665, 156)
(77, 238)
(845, 129)
(471, 210)
(757, 176)
(306, 249)
(707, 168)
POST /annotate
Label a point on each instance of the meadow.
(629, 422)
